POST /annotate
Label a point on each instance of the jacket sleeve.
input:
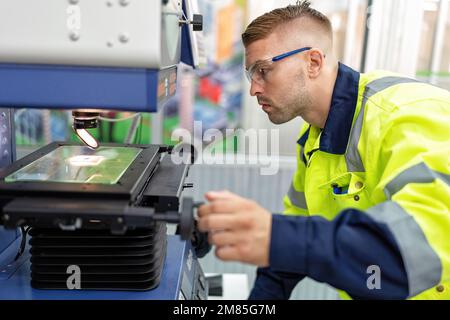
(271, 285)
(404, 236)
(414, 182)
(341, 252)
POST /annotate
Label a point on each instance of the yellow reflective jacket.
(389, 158)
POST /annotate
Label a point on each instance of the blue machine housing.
(9, 247)
(66, 87)
(182, 278)
(73, 87)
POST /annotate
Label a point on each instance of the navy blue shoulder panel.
(303, 138)
(336, 133)
(302, 142)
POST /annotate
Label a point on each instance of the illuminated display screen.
(78, 164)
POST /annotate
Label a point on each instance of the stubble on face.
(294, 101)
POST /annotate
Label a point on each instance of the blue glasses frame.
(252, 69)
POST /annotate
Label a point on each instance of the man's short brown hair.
(264, 25)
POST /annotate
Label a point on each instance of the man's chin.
(276, 120)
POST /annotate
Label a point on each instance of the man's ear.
(315, 62)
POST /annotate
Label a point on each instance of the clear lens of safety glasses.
(254, 74)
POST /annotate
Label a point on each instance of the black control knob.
(197, 22)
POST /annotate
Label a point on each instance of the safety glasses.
(258, 71)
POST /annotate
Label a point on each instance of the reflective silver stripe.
(297, 198)
(419, 173)
(352, 157)
(422, 264)
(386, 82)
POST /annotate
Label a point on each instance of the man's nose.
(255, 88)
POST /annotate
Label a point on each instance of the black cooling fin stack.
(133, 261)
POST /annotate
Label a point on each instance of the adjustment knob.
(197, 22)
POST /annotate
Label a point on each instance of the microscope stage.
(69, 186)
(66, 169)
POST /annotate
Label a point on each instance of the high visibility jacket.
(379, 173)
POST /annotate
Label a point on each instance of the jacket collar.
(335, 135)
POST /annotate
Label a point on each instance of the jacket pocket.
(348, 191)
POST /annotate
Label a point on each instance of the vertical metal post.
(439, 40)
(46, 124)
(7, 137)
(157, 126)
(350, 32)
(366, 36)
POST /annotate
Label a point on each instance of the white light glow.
(86, 160)
(87, 138)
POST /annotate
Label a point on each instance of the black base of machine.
(133, 261)
(113, 232)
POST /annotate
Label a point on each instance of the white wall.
(394, 36)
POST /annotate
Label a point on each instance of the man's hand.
(239, 228)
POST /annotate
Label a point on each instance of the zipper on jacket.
(310, 154)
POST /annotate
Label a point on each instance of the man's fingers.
(216, 222)
(219, 206)
(219, 195)
(239, 253)
(228, 253)
(223, 238)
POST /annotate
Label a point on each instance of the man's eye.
(263, 71)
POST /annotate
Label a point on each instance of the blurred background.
(411, 37)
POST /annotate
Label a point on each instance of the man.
(370, 195)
